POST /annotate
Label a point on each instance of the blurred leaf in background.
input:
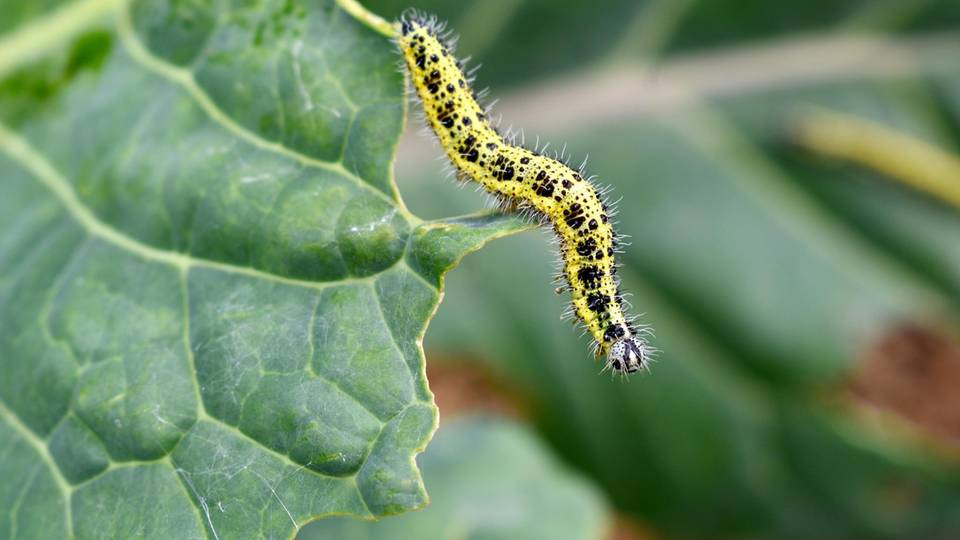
(780, 282)
(488, 479)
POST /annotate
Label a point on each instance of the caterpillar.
(524, 179)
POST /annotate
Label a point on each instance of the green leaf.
(212, 297)
(488, 479)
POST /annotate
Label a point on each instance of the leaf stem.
(899, 156)
(362, 14)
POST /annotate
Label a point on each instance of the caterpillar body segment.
(522, 178)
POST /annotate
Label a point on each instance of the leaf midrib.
(22, 152)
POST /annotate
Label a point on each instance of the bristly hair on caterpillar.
(540, 186)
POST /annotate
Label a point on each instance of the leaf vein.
(186, 80)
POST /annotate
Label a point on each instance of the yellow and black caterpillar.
(546, 187)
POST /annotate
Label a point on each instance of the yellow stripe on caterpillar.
(523, 178)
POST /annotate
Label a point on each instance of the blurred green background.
(805, 307)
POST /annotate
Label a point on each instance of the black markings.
(503, 167)
(585, 247)
(597, 302)
(575, 222)
(613, 333)
(590, 276)
(544, 185)
(524, 160)
(432, 81)
(445, 114)
(574, 217)
(469, 149)
(593, 225)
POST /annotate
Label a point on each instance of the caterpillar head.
(629, 355)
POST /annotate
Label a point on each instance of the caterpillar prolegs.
(523, 178)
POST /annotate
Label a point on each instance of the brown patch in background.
(463, 387)
(914, 372)
(627, 528)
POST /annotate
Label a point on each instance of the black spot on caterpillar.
(545, 187)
